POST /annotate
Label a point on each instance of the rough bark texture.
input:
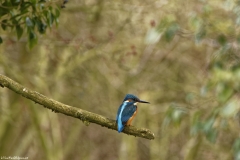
(85, 116)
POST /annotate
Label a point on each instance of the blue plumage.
(130, 96)
(127, 110)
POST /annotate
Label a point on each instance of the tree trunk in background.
(143, 149)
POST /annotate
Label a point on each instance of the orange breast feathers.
(131, 118)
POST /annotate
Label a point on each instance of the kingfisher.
(127, 111)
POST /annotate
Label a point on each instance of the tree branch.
(85, 116)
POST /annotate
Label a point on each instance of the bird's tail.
(120, 126)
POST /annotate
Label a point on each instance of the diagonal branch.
(85, 116)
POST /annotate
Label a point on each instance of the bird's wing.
(119, 116)
(128, 111)
(119, 110)
(125, 111)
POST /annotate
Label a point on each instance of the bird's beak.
(140, 101)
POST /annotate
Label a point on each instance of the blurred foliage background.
(182, 56)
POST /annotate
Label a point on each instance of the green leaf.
(153, 36)
(189, 97)
(236, 145)
(238, 39)
(31, 35)
(222, 39)
(33, 1)
(207, 126)
(237, 155)
(236, 148)
(15, 2)
(14, 22)
(196, 126)
(1, 40)
(236, 67)
(162, 25)
(224, 92)
(6, 4)
(218, 65)
(41, 6)
(230, 109)
(212, 135)
(57, 21)
(49, 17)
(57, 12)
(171, 31)
(29, 22)
(19, 30)
(32, 39)
(41, 27)
(201, 33)
(196, 22)
(24, 7)
(177, 115)
(174, 115)
(3, 11)
(4, 24)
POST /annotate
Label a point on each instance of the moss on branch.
(58, 107)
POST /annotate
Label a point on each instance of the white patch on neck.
(135, 103)
(126, 101)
